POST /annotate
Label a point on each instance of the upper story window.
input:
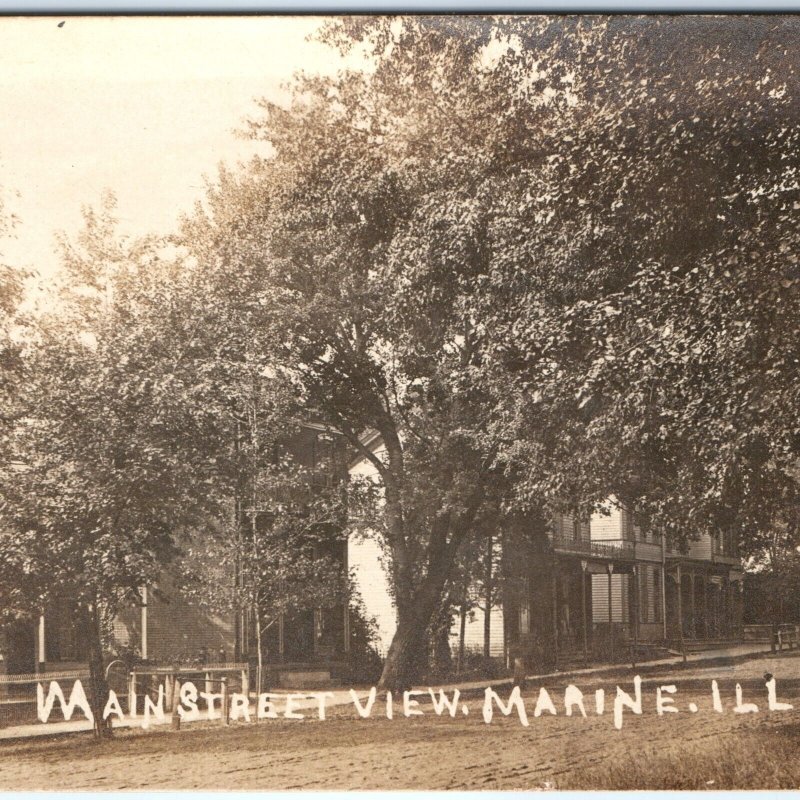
(730, 546)
(723, 543)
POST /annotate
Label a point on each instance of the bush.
(366, 663)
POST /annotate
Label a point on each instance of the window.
(62, 642)
(524, 617)
(657, 578)
(576, 529)
(644, 595)
(524, 607)
(649, 594)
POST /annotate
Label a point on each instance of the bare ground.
(684, 750)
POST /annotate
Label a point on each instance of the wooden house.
(582, 589)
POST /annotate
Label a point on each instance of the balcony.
(727, 560)
(608, 549)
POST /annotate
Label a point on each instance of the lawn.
(684, 750)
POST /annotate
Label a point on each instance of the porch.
(610, 606)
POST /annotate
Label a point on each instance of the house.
(613, 585)
(570, 589)
(583, 588)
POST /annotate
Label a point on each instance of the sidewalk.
(341, 697)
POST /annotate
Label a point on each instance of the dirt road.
(688, 749)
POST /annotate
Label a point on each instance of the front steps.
(305, 679)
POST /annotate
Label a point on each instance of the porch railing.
(603, 548)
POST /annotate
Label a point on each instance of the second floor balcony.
(607, 549)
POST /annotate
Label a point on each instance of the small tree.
(279, 560)
(109, 443)
(11, 367)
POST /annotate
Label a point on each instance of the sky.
(145, 106)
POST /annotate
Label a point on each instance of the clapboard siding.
(647, 551)
(608, 525)
(372, 584)
(619, 595)
(473, 632)
(650, 599)
(365, 560)
(563, 526)
(701, 548)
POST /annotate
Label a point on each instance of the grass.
(742, 760)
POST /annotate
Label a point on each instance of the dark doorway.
(21, 652)
(298, 637)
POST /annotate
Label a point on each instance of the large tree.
(649, 339)
(373, 336)
(552, 254)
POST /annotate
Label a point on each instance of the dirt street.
(702, 749)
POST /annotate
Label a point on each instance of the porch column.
(705, 581)
(584, 614)
(739, 604)
(41, 649)
(610, 569)
(280, 636)
(693, 605)
(144, 623)
(635, 610)
(554, 588)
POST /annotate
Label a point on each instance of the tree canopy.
(540, 260)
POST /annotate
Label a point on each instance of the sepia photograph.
(400, 402)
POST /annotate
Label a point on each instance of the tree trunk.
(260, 653)
(487, 614)
(442, 657)
(416, 606)
(407, 654)
(462, 633)
(98, 685)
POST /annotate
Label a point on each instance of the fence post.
(168, 689)
(132, 694)
(225, 717)
(208, 683)
(176, 686)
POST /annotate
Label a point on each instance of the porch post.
(41, 655)
(610, 570)
(705, 582)
(144, 623)
(680, 612)
(555, 610)
(739, 603)
(693, 606)
(635, 610)
(584, 613)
